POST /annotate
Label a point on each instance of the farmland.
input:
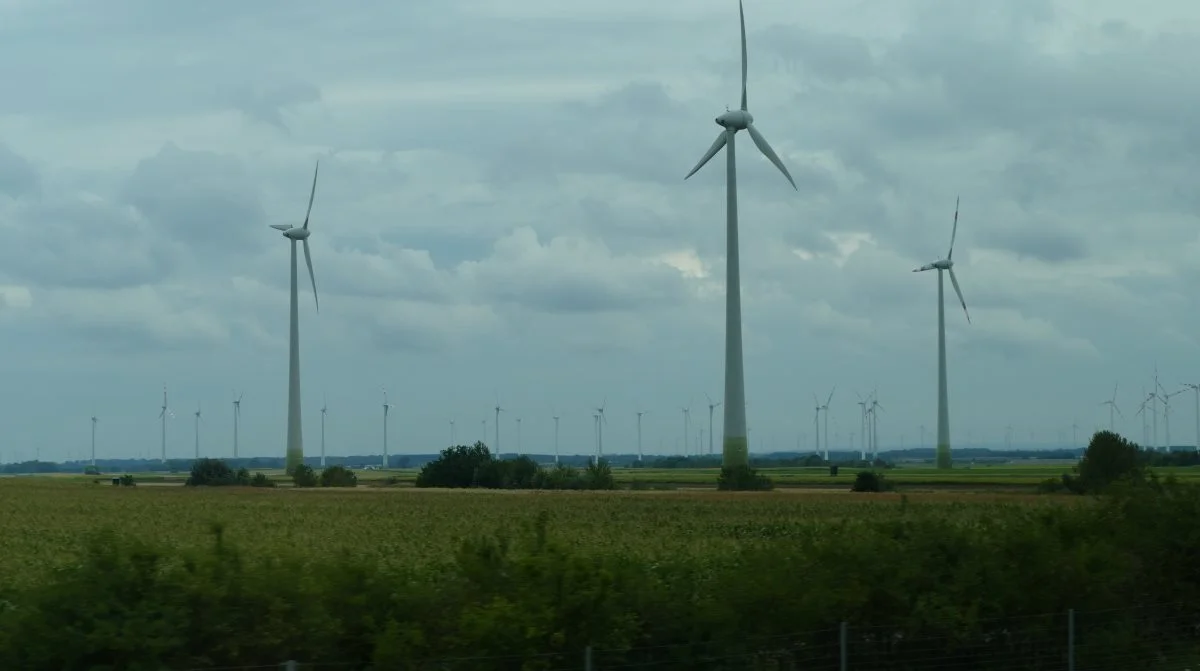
(385, 572)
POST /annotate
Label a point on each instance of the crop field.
(46, 519)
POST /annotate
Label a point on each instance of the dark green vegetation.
(474, 466)
(743, 478)
(870, 481)
(1110, 460)
(907, 578)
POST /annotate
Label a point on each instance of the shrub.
(261, 480)
(91, 470)
(215, 473)
(303, 476)
(598, 475)
(870, 481)
(457, 466)
(127, 481)
(743, 478)
(338, 476)
(1107, 459)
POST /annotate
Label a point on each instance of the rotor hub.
(735, 120)
(297, 233)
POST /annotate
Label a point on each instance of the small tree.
(338, 476)
(211, 473)
(261, 480)
(303, 476)
(743, 478)
(599, 475)
(1107, 459)
(457, 466)
(870, 481)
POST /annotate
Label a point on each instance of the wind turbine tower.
(875, 408)
(943, 266)
(1112, 406)
(1166, 399)
(735, 445)
(825, 409)
(237, 414)
(324, 412)
(197, 430)
(452, 432)
(94, 420)
(556, 417)
(295, 437)
(862, 425)
(498, 411)
(639, 431)
(163, 415)
(687, 420)
(386, 409)
(518, 436)
(601, 420)
(711, 407)
(817, 422)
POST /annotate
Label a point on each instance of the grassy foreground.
(379, 577)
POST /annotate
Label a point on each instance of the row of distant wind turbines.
(1152, 400)
(735, 447)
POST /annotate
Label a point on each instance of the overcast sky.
(502, 213)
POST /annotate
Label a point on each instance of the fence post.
(587, 658)
(844, 645)
(1070, 639)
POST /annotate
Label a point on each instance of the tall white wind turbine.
(294, 234)
(324, 412)
(945, 265)
(386, 408)
(862, 424)
(640, 413)
(237, 415)
(1112, 406)
(735, 446)
(452, 432)
(687, 420)
(1195, 388)
(163, 415)
(197, 430)
(875, 408)
(711, 406)
(1166, 399)
(601, 420)
(499, 410)
(94, 420)
(556, 418)
(825, 409)
(817, 423)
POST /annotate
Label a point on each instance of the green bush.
(261, 480)
(216, 473)
(127, 481)
(743, 479)
(870, 481)
(338, 476)
(304, 476)
(91, 470)
(598, 475)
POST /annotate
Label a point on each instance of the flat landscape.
(48, 517)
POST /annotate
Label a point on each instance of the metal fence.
(1165, 637)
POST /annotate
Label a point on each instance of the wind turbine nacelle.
(735, 120)
(944, 264)
(296, 233)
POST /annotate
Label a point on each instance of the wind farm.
(548, 312)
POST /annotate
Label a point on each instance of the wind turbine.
(295, 437)
(639, 430)
(386, 408)
(518, 436)
(324, 411)
(817, 422)
(600, 422)
(498, 411)
(556, 417)
(875, 408)
(94, 420)
(451, 432)
(735, 447)
(1142, 411)
(1166, 399)
(1112, 405)
(163, 415)
(687, 420)
(862, 424)
(596, 437)
(1195, 388)
(237, 413)
(825, 409)
(711, 407)
(945, 265)
(197, 430)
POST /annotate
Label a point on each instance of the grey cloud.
(85, 244)
(267, 103)
(824, 56)
(18, 177)
(1039, 240)
(204, 199)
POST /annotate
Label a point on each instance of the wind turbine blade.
(712, 151)
(308, 260)
(958, 290)
(954, 230)
(1118, 411)
(761, 143)
(280, 227)
(830, 399)
(312, 194)
(742, 18)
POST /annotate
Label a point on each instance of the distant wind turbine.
(862, 425)
(556, 417)
(498, 411)
(825, 409)
(518, 436)
(197, 430)
(295, 437)
(386, 408)
(451, 432)
(640, 413)
(817, 423)
(324, 412)
(1166, 399)
(711, 406)
(875, 408)
(687, 420)
(735, 445)
(165, 413)
(237, 414)
(945, 265)
(94, 420)
(1112, 406)
(600, 422)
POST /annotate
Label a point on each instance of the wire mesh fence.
(1162, 637)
